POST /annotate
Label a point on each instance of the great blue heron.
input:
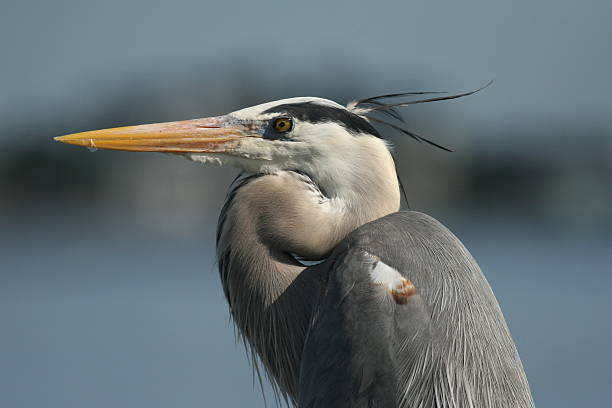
(395, 313)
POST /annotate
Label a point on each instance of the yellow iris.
(283, 124)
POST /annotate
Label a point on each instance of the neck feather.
(266, 219)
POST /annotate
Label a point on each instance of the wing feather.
(447, 346)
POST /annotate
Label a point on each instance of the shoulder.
(402, 225)
(407, 239)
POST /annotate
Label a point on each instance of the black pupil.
(281, 124)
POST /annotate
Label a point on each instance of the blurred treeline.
(553, 171)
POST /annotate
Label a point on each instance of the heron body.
(394, 312)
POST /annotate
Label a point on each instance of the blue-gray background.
(109, 295)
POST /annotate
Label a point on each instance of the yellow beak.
(208, 135)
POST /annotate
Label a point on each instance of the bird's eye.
(283, 125)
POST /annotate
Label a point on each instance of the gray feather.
(448, 346)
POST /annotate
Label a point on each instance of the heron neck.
(265, 220)
(268, 293)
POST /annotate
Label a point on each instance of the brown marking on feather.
(403, 291)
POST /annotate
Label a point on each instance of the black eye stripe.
(317, 113)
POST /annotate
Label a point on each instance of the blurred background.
(109, 294)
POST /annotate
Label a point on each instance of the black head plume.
(371, 106)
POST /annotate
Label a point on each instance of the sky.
(550, 59)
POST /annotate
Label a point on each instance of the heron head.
(302, 134)
(313, 135)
